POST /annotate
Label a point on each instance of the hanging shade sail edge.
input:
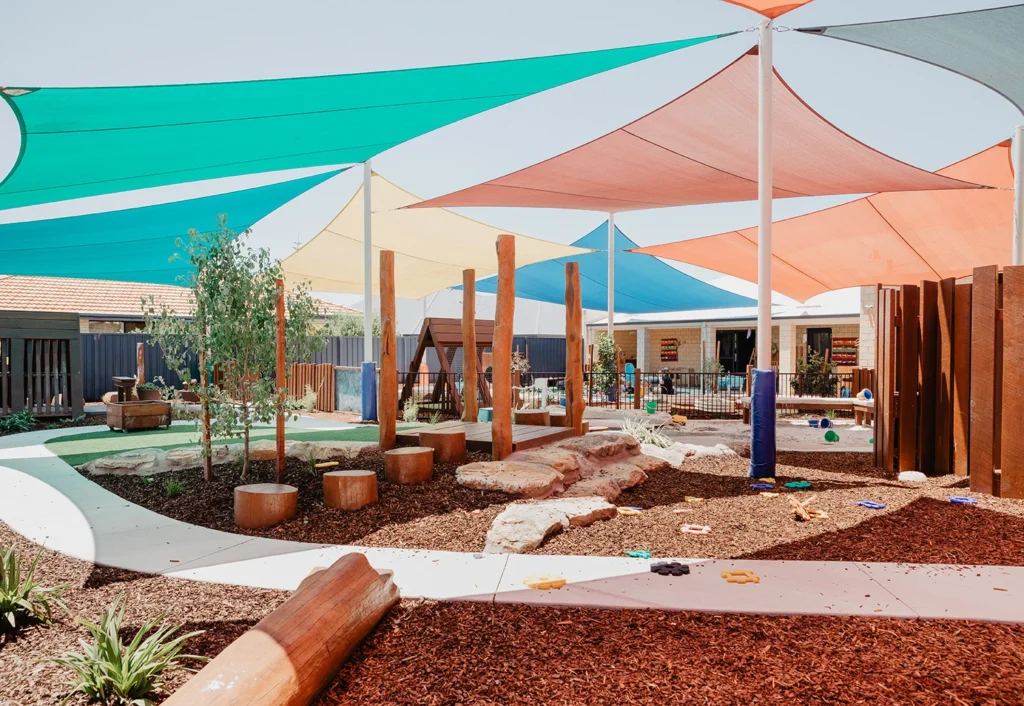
(136, 244)
(702, 148)
(982, 45)
(890, 237)
(78, 142)
(769, 8)
(643, 284)
(431, 247)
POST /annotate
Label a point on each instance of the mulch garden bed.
(469, 653)
(223, 612)
(444, 515)
(85, 420)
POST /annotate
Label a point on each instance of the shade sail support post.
(367, 266)
(1018, 196)
(762, 441)
(611, 274)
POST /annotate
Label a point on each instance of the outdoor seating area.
(275, 429)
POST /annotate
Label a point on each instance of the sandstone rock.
(649, 464)
(602, 445)
(570, 464)
(912, 477)
(328, 450)
(186, 457)
(137, 462)
(523, 526)
(677, 454)
(601, 486)
(529, 480)
(625, 474)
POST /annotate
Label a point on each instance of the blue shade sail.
(135, 244)
(643, 284)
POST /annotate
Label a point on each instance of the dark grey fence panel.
(105, 355)
(547, 354)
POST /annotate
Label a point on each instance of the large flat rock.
(603, 445)
(570, 464)
(523, 526)
(677, 454)
(527, 480)
(602, 486)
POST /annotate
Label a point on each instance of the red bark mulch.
(471, 653)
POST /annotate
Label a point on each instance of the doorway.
(736, 348)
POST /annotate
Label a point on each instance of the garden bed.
(472, 653)
(917, 525)
(223, 612)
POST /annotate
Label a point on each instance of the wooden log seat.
(293, 653)
(449, 446)
(264, 504)
(534, 417)
(350, 490)
(409, 465)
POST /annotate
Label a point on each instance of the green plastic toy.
(831, 437)
(798, 485)
(639, 553)
(871, 440)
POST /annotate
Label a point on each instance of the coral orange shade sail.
(769, 8)
(702, 148)
(888, 238)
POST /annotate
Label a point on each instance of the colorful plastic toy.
(741, 577)
(544, 583)
(639, 553)
(762, 486)
(960, 500)
(871, 505)
(670, 568)
(798, 484)
(629, 510)
(769, 495)
(695, 529)
(831, 436)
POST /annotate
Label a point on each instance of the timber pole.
(1018, 195)
(281, 379)
(469, 353)
(387, 400)
(504, 315)
(574, 403)
(140, 363)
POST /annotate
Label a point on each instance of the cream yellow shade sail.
(432, 246)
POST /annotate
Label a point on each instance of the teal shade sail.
(643, 283)
(78, 142)
(135, 244)
(984, 45)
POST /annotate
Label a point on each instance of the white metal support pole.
(1018, 196)
(611, 274)
(764, 197)
(367, 267)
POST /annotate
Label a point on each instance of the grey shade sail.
(986, 46)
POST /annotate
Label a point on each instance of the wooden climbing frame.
(445, 337)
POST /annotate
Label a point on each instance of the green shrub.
(411, 411)
(174, 487)
(147, 386)
(435, 417)
(815, 377)
(18, 422)
(111, 672)
(21, 598)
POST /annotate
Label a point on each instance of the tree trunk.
(245, 453)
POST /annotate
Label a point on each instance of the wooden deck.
(478, 435)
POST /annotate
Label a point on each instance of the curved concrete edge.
(50, 503)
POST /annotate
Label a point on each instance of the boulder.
(523, 526)
(912, 477)
(570, 464)
(137, 462)
(528, 480)
(625, 474)
(602, 445)
(604, 487)
(677, 454)
(328, 450)
(264, 450)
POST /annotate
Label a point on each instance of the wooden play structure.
(40, 364)
(446, 337)
(292, 654)
(950, 379)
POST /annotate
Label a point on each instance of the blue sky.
(915, 112)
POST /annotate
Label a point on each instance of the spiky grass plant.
(22, 598)
(645, 432)
(109, 671)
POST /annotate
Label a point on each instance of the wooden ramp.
(478, 435)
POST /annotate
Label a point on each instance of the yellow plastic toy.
(741, 577)
(692, 499)
(766, 494)
(544, 583)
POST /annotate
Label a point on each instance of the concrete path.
(50, 503)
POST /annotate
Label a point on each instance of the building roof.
(104, 298)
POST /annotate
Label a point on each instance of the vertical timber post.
(279, 304)
(387, 405)
(469, 352)
(504, 316)
(574, 403)
(140, 363)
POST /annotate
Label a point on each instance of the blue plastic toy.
(960, 500)
(872, 505)
(639, 553)
(798, 484)
(762, 486)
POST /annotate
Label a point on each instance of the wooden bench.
(863, 410)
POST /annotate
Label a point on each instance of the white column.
(764, 196)
(1018, 196)
(611, 274)
(641, 349)
(367, 267)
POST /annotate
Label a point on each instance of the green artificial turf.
(77, 449)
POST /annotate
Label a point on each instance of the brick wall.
(689, 350)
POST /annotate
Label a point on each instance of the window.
(819, 340)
